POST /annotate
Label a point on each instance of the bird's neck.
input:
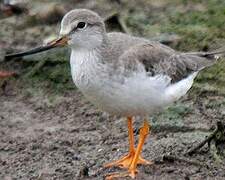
(87, 69)
(89, 54)
(89, 63)
(84, 57)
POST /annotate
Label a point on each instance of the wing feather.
(156, 58)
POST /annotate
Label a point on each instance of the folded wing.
(156, 59)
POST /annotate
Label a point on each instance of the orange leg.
(126, 160)
(144, 131)
(133, 158)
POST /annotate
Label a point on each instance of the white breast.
(89, 75)
(135, 95)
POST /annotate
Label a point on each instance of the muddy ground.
(49, 131)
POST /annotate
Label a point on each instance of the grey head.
(83, 28)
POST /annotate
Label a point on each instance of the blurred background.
(47, 128)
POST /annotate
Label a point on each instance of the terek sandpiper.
(125, 75)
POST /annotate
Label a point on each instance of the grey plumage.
(131, 52)
(156, 58)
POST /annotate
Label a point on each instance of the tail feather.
(199, 60)
(216, 54)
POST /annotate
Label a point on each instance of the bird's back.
(118, 43)
(133, 52)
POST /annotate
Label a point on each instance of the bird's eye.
(81, 25)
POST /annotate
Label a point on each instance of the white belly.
(136, 95)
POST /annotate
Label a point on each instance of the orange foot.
(134, 158)
(126, 161)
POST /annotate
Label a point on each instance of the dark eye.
(81, 25)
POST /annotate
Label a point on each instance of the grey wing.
(156, 58)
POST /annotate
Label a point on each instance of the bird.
(125, 75)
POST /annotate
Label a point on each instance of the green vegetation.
(49, 70)
(174, 115)
(200, 24)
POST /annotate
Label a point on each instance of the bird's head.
(82, 29)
